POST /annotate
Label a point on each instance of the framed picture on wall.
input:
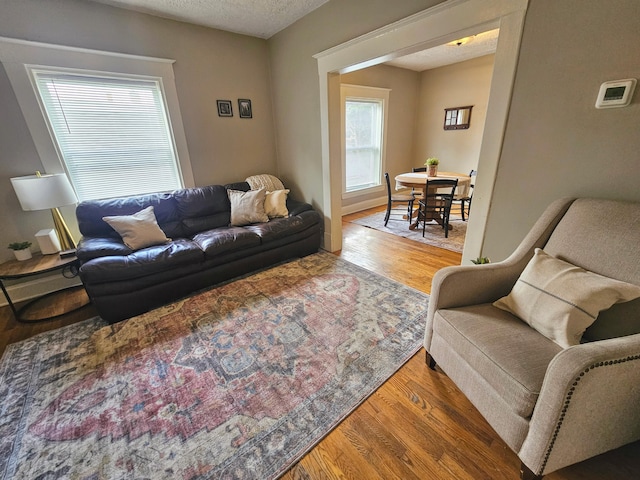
(244, 107)
(224, 108)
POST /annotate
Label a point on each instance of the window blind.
(363, 143)
(113, 133)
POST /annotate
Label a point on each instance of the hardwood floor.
(418, 425)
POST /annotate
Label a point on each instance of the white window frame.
(361, 92)
(17, 56)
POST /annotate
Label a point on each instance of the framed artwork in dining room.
(244, 107)
(225, 109)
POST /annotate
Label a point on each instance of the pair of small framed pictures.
(225, 108)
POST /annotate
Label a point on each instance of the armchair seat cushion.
(511, 356)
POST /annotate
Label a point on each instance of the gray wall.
(294, 74)
(210, 64)
(457, 85)
(557, 143)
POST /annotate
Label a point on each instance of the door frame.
(432, 27)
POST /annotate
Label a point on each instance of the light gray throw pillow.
(561, 300)
(139, 230)
(247, 207)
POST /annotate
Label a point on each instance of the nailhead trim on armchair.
(567, 402)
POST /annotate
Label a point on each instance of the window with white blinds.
(113, 133)
(364, 122)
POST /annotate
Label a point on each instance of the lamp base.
(64, 235)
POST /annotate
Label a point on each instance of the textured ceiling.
(265, 18)
(258, 18)
(476, 46)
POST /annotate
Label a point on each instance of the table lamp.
(47, 191)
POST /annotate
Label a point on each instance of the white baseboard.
(358, 207)
(37, 287)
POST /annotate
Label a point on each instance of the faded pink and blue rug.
(239, 381)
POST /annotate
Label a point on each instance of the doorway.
(435, 26)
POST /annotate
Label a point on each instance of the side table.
(37, 265)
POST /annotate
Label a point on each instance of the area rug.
(236, 382)
(434, 234)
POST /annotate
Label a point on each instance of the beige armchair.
(552, 405)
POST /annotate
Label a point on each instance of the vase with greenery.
(432, 166)
(21, 250)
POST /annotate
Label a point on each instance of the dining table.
(418, 181)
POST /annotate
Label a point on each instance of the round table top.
(37, 264)
(421, 177)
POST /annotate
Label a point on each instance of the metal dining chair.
(437, 202)
(395, 198)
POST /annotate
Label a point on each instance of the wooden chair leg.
(526, 474)
(430, 361)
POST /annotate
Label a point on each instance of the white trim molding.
(17, 55)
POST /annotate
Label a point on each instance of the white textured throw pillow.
(138, 230)
(247, 207)
(561, 300)
(275, 204)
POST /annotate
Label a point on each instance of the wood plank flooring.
(418, 425)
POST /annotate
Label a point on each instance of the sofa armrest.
(590, 393)
(96, 247)
(296, 208)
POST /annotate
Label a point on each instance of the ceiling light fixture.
(461, 41)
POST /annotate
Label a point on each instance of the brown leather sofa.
(204, 250)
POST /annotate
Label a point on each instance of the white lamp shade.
(43, 192)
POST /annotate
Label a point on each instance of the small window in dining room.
(364, 120)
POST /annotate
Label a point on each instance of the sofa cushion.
(511, 356)
(279, 228)
(561, 300)
(138, 230)
(89, 213)
(147, 261)
(247, 207)
(220, 241)
(203, 208)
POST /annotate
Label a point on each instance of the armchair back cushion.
(593, 230)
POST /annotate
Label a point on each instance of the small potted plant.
(21, 250)
(432, 166)
(481, 260)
